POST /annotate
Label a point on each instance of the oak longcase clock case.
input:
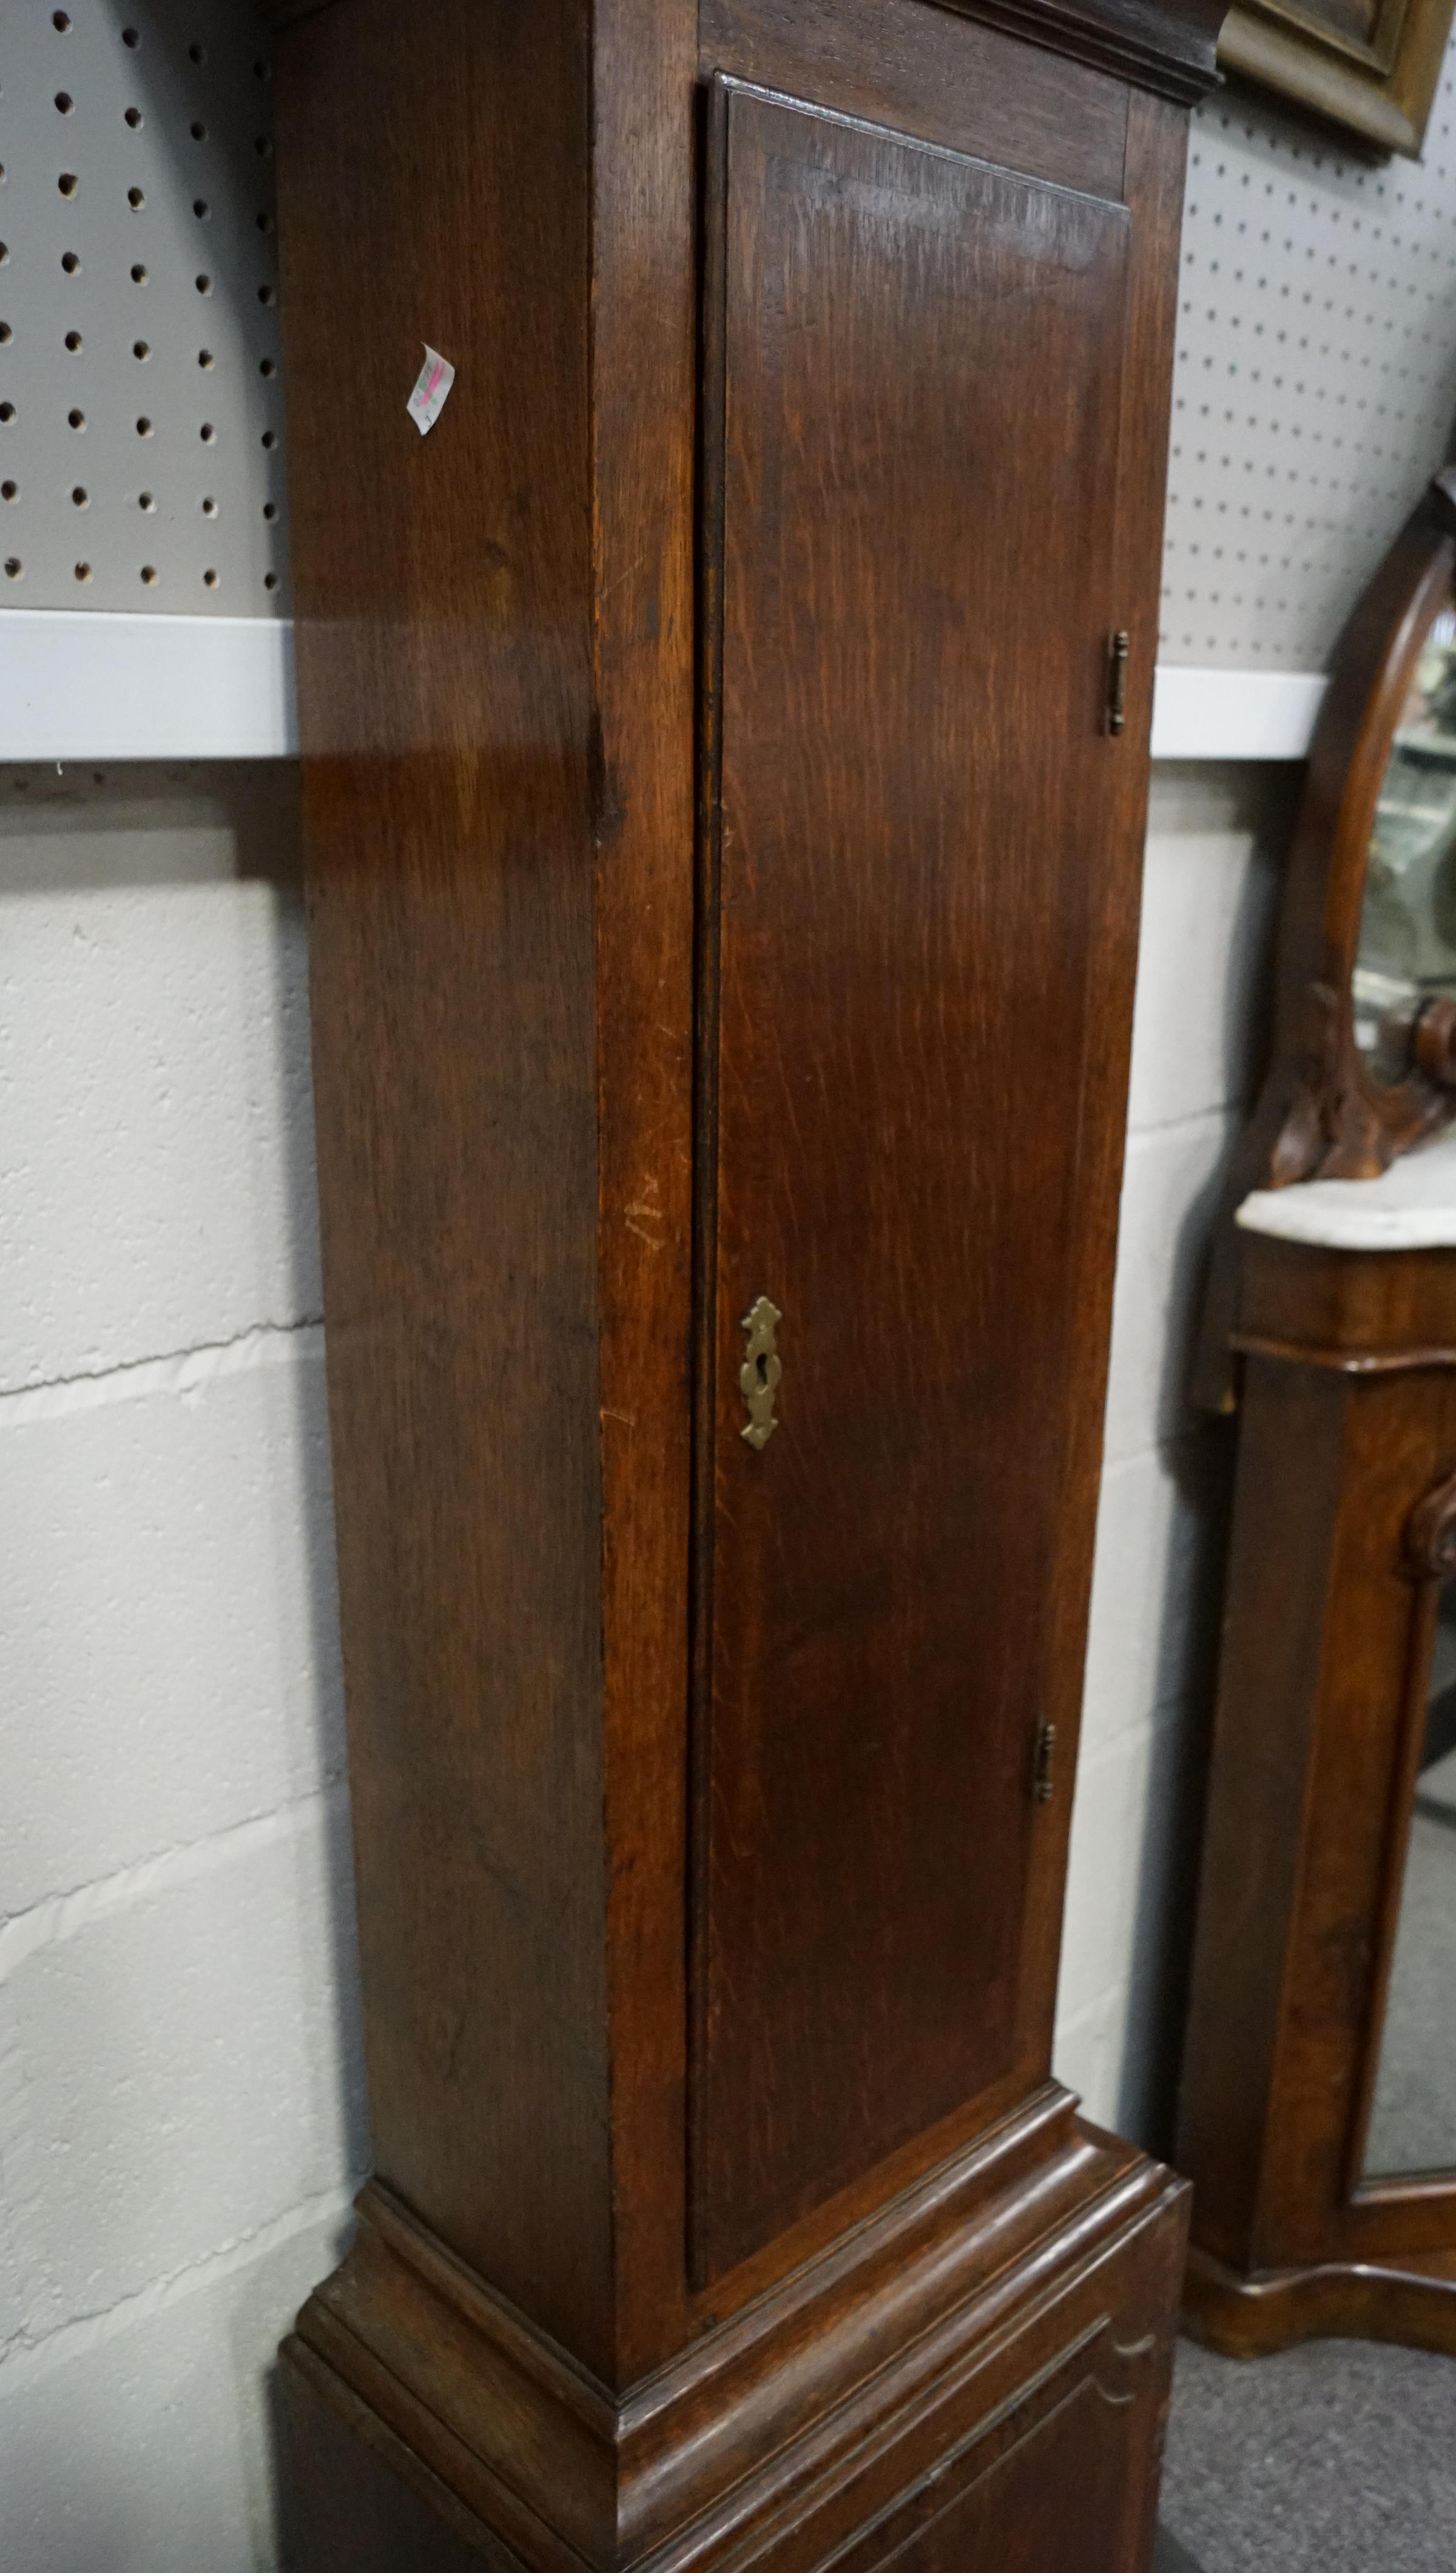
(725, 762)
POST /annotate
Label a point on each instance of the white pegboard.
(141, 419)
(1314, 387)
(1315, 380)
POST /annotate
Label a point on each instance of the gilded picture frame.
(1370, 65)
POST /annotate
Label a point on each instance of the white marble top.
(1411, 1207)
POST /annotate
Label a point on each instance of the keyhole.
(762, 1368)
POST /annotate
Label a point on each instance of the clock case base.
(974, 2336)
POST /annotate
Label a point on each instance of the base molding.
(1022, 2294)
(1247, 2316)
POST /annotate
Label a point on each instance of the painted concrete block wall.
(181, 2113)
(180, 2117)
(1216, 838)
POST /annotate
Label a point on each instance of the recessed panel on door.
(913, 380)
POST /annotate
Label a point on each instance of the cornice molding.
(1166, 46)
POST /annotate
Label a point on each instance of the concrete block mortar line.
(24, 2358)
(1234, 1106)
(1215, 1112)
(64, 1916)
(1166, 1446)
(1091, 1756)
(185, 1373)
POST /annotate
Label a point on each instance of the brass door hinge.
(1117, 649)
(1042, 1786)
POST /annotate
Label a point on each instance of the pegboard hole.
(210, 507)
(145, 501)
(270, 438)
(268, 366)
(13, 567)
(83, 571)
(207, 432)
(197, 130)
(76, 418)
(60, 22)
(65, 103)
(66, 183)
(6, 335)
(132, 37)
(9, 491)
(141, 349)
(138, 275)
(270, 510)
(266, 294)
(149, 574)
(201, 208)
(204, 358)
(69, 261)
(210, 580)
(263, 146)
(144, 427)
(7, 412)
(80, 498)
(134, 198)
(132, 117)
(4, 253)
(75, 343)
(197, 54)
(269, 581)
(263, 221)
(203, 284)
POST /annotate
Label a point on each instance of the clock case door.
(912, 801)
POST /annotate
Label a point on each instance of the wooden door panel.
(913, 380)
(1062, 2482)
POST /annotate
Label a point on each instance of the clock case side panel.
(445, 588)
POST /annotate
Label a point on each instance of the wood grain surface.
(444, 589)
(916, 789)
(1347, 1449)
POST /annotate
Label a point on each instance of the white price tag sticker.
(432, 384)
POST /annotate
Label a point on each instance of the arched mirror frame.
(1323, 1115)
(1320, 1113)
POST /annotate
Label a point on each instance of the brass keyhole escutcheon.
(760, 1371)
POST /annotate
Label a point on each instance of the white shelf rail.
(78, 684)
(91, 685)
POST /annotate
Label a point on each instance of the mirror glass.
(1413, 2114)
(1407, 946)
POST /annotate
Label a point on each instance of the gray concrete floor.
(1336, 2457)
